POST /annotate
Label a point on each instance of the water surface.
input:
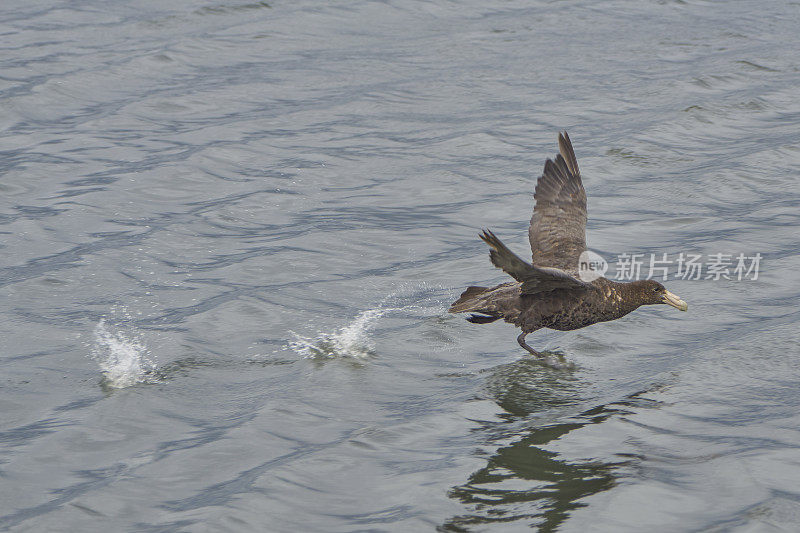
(231, 231)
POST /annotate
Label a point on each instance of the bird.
(555, 290)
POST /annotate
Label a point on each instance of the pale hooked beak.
(674, 301)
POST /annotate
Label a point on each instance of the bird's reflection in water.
(523, 483)
(530, 385)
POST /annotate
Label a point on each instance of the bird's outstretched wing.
(558, 227)
(534, 279)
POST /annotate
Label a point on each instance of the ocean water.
(230, 232)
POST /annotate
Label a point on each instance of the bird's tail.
(470, 301)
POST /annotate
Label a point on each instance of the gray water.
(231, 232)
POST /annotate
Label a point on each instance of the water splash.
(353, 341)
(350, 341)
(123, 357)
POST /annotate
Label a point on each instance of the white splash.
(350, 341)
(122, 357)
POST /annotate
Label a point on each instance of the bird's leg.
(521, 341)
(545, 359)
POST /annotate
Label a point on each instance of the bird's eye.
(655, 289)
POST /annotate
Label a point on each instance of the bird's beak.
(674, 301)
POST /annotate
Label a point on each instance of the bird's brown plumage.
(558, 226)
(534, 279)
(549, 291)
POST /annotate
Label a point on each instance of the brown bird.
(553, 291)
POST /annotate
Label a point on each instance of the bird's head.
(649, 292)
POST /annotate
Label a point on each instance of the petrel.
(552, 291)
